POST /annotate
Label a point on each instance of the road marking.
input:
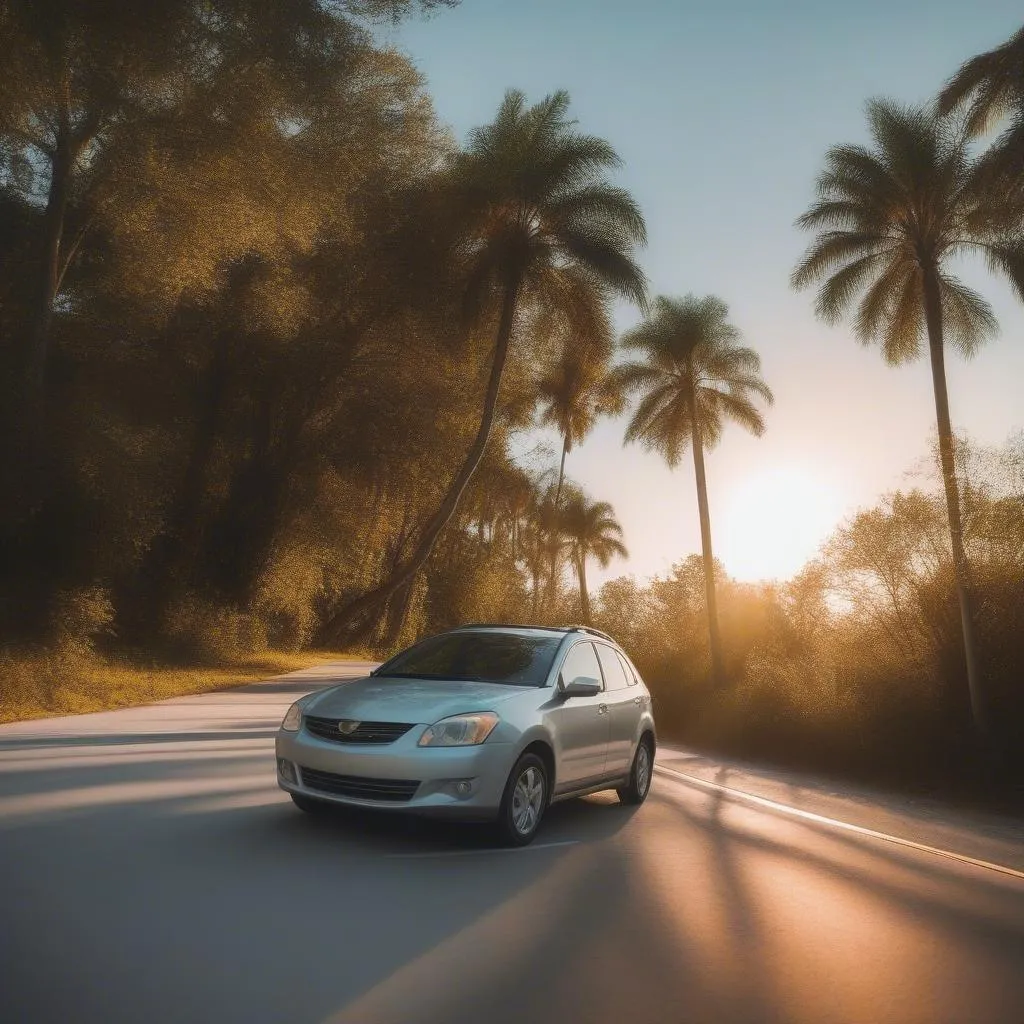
(470, 853)
(797, 812)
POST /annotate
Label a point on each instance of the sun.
(773, 523)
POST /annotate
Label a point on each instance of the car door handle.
(638, 701)
(602, 709)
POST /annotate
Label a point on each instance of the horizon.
(846, 428)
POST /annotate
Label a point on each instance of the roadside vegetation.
(270, 338)
(74, 682)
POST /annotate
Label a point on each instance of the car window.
(581, 661)
(631, 679)
(615, 677)
(477, 657)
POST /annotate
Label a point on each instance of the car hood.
(418, 701)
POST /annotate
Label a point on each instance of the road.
(151, 871)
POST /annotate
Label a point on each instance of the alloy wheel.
(528, 800)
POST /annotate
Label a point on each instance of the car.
(483, 722)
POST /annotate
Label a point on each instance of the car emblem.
(346, 726)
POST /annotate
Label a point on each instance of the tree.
(693, 377)
(590, 530)
(95, 93)
(574, 390)
(889, 220)
(541, 227)
(989, 88)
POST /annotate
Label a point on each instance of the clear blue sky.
(722, 113)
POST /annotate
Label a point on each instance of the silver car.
(484, 722)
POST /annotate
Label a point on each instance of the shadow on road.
(180, 885)
(250, 731)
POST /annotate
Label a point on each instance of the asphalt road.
(151, 871)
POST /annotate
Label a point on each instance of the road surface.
(151, 871)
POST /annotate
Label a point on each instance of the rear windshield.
(477, 657)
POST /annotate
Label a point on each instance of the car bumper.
(446, 782)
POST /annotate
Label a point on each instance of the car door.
(623, 711)
(579, 725)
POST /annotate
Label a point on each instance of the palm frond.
(968, 318)
(661, 423)
(987, 85)
(609, 259)
(879, 299)
(602, 203)
(837, 249)
(740, 410)
(839, 291)
(902, 332)
(1007, 258)
(632, 377)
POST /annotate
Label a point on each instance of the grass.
(42, 685)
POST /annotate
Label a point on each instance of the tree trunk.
(581, 572)
(50, 271)
(175, 550)
(714, 637)
(553, 571)
(339, 625)
(933, 318)
(398, 614)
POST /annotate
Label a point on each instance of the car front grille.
(365, 732)
(390, 790)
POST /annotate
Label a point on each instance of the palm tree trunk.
(581, 572)
(339, 625)
(933, 318)
(553, 572)
(714, 637)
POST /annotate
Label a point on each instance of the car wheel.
(640, 775)
(309, 805)
(524, 801)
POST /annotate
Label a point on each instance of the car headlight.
(293, 718)
(460, 730)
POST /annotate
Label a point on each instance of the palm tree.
(590, 530)
(543, 227)
(990, 88)
(574, 391)
(889, 219)
(693, 377)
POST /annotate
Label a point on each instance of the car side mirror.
(581, 686)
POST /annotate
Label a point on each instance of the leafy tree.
(889, 220)
(98, 86)
(692, 378)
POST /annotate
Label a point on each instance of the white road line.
(470, 853)
(796, 812)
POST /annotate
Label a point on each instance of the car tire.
(524, 801)
(640, 774)
(309, 805)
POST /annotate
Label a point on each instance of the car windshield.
(506, 658)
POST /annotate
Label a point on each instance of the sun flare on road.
(774, 521)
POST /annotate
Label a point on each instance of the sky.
(722, 113)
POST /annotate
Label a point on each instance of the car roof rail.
(592, 630)
(512, 625)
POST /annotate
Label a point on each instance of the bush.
(200, 632)
(78, 619)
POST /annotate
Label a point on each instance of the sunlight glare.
(774, 522)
